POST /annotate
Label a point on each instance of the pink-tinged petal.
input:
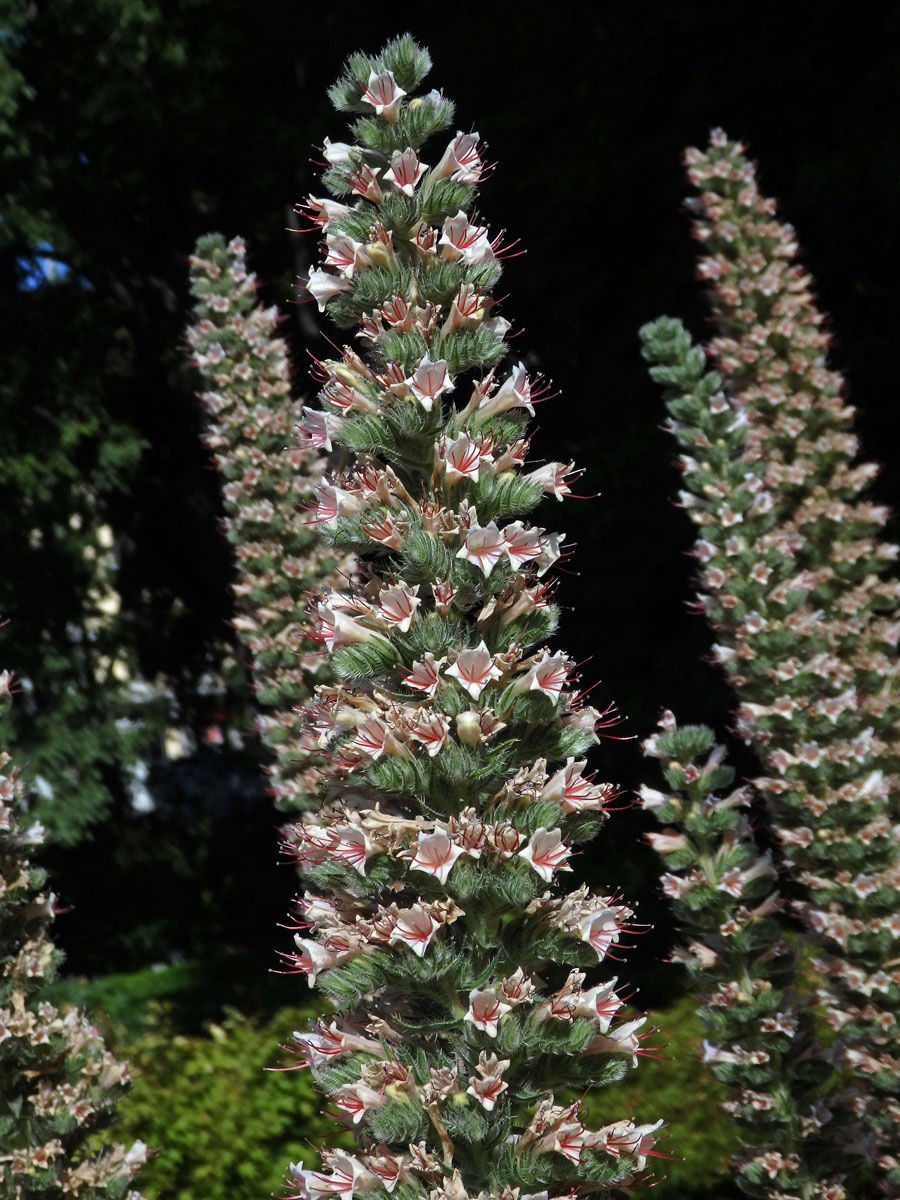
(522, 545)
(550, 676)
(485, 1010)
(405, 171)
(398, 605)
(463, 456)
(435, 855)
(464, 241)
(431, 730)
(323, 286)
(546, 852)
(483, 546)
(474, 670)
(415, 928)
(429, 381)
(424, 676)
(345, 254)
(352, 847)
(461, 160)
(554, 478)
(384, 94)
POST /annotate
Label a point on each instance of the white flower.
(323, 286)
(463, 456)
(474, 669)
(601, 930)
(522, 545)
(405, 171)
(465, 241)
(550, 552)
(546, 852)
(415, 928)
(514, 392)
(319, 428)
(314, 958)
(384, 94)
(549, 676)
(490, 1085)
(435, 854)
(323, 212)
(601, 1003)
(431, 730)
(398, 605)
(424, 676)
(429, 381)
(336, 153)
(352, 846)
(345, 254)
(461, 160)
(483, 546)
(553, 478)
(485, 1010)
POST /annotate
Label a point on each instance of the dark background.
(131, 127)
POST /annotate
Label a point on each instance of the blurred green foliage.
(224, 1127)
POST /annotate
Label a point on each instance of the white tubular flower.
(474, 670)
(461, 240)
(371, 739)
(522, 545)
(424, 676)
(514, 392)
(622, 1040)
(435, 855)
(602, 930)
(398, 605)
(384, 94)
(461, 160)
(336, 153)
(553, 478)
(323, 212)
(485, 1010)
(323, 286)
(483, 546)
(546, 852)
(415, 928)
(626, 1138)
(352, 847)
(405, 171)
(600, 1004)
(429, 381)
(345, 254)
(489, 1083)
(549, 676)
(431, 730)
(318, 429)
(333, 502)
(550, 552)
(314, 958)
(335, 628)
(463, 457)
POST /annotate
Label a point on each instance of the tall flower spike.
(438, 919)
(58, 1082)
(269, 483)
(759, 1016)
(793, 582)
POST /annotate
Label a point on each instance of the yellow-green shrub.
(222, 1124)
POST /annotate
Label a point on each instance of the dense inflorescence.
(270, 478)
(58, 1082)
(436, 919)
(760, 1017)
(793, 579)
